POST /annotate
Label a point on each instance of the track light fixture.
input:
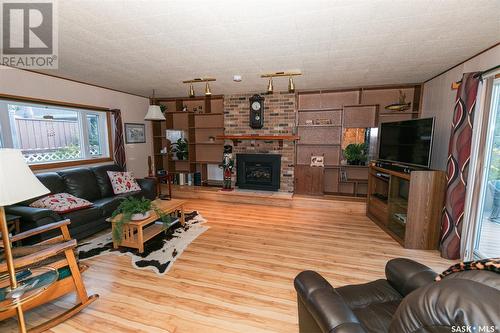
(196, 80)
(270, 87)
(191, 91)
(207, 90)
(291, 84)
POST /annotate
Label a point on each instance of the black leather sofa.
(409, 300)
(88, 183)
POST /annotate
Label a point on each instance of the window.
(53, 134)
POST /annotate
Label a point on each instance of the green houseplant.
(355, 153)
(131, 206)
(180, 149)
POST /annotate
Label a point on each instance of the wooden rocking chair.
(58, 253)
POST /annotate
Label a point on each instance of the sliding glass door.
(487, 233)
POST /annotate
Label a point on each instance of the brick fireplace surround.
(279, 119)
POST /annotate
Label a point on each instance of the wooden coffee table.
(136, 233)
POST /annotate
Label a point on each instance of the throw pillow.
(61, 203)
(123, 182)
(491, 264)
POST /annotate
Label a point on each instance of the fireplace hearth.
(258, 171)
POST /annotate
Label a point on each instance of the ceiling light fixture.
(207, 90)
(196, 80)
(291, 84)
(154, 111)
(270, 87)
(191, 91)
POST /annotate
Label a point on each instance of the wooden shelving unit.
(203, 121)
(407, 206)
(347, 108)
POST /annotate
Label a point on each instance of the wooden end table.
(136, 233)
(158, 178)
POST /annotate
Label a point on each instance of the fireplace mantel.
(279, 138)
(259, 137)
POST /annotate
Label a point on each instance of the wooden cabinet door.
(309, 180)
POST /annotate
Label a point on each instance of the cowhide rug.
(160, 252)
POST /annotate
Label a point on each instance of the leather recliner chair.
(409, 300)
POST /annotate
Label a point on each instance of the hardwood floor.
(237, 276)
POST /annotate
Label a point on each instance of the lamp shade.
(17, 181)
(154, 113)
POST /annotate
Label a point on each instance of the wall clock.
(256, 111)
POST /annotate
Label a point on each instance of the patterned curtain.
(118, 146)
(458, 166)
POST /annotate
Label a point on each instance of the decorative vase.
(139, 217)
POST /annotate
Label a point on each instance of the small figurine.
(227, 167)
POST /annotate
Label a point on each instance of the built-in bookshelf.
(202, 120)
(322, 120)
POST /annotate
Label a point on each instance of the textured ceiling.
(136, 46)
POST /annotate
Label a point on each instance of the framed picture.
(317, 161)
(135, 133)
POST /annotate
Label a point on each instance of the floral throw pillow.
(61, 203)
(123, 182)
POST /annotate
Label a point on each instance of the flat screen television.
(407, 142)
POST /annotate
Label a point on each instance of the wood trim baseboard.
(59, 165)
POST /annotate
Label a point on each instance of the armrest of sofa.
(320, 305)
(31, 214)
(406, 275)
(148, 187)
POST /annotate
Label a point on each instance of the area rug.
(160, 252)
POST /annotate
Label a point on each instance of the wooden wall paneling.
(356, 172)
(194, 104)
(181, 121)
(209, 120)
(309, 180)
(331, 153)
(362, 189)
(209, 153)
(335, 116)
(338, 99)
(384, 97)
(217, 105)
(171, 105)
(386, 117)
(360, 116)
(346, 188)
(331, 178)
(309, 101)
(202, 135)
(320, 135)
(182, 166)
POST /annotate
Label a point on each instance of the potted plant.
(134, 209)
(180, 149)
(355, 153)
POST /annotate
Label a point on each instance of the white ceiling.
(136, 46)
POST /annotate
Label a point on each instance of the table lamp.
(17, 183)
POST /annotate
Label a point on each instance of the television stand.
(407, 205)
(397, 167)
